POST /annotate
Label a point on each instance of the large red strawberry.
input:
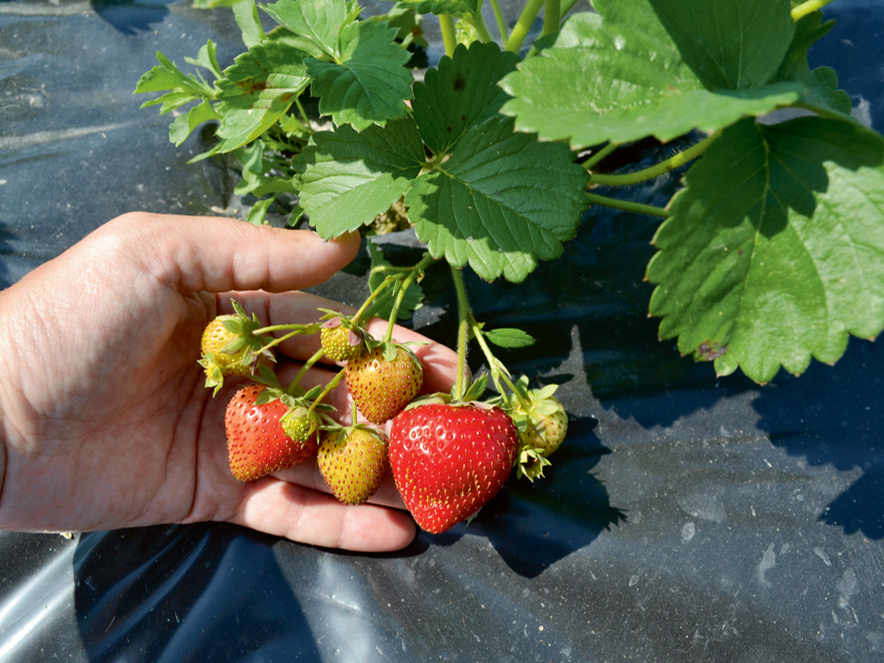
(383, 381)
(256, 442)
(449, 460)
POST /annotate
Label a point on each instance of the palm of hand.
(108, 423)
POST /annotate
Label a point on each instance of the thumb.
(217, 254)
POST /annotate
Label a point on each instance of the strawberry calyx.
(542, 423)
(342, 337)
(232, 345)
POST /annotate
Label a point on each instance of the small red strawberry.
(256, 442)
(353, 462)
(384, 380)
(449, 460)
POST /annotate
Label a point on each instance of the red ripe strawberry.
(450, 460)
(256, 443)
(353, 462)
(380, 385)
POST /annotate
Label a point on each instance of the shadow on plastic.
(533, 526)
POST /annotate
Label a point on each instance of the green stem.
(303, 113)
(319, 354)
(655, 171)
(496, 374)
(463, 313)
(501, 24)
(627, 206)
(808, 7)
(386, 283)
(489, 356)
(446, 25)
(523, 25)
(298, 329)
(416, 272)
(598, 156)
(286, 337)
(478, 22)
(552, 16)
(567, 6)
(331, 385)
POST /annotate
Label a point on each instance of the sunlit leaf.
(774, 252)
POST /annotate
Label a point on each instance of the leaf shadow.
(831, 416)
(533, 526)
(131, 16)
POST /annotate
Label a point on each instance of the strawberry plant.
(769, 255)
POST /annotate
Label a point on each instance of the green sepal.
(507, 337)
(476, 389)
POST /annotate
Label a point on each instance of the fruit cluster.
(449, 454)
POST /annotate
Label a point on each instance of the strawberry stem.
(661, 168)
(295, 329)
(416, 273)
(494, 367)
(463, 327)
(386, 283)
(279, 340)
(331, 385)
(319, 354)
(592, 161)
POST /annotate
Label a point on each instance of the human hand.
(105, 418)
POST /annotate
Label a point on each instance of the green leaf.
(246, 14)
(492, 198)
(182, 88)
(728, 45)
(500, 203)
(262, 74)
(243, 125)
(316, 20)
(411, 301)
(820, 85)
(456, 8)
(368, 84)
(183, 125)
(257, 90)
(621, 79)
(258, 212)
(773, 253)
(461, 92)
(348, 178)
(509, 337)
(207, 58)
(408, 22)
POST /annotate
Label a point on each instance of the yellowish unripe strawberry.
(353, 461)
